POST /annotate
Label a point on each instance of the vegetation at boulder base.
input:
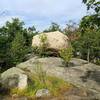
(66, 54)
(55, 85)
(42, 49)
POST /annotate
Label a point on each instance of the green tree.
(88, 45)
(93, 4)
(4, 57)
(66, 55)
(11, 28)
(8, 41)
(92, 20)
(18, 49)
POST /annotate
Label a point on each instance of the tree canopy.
(15, 42)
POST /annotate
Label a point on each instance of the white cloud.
(43, 11)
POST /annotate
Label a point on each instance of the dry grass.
(55, 85)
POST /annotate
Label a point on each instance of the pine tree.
(18, 48)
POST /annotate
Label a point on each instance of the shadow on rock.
(4, 91)
(92, 75)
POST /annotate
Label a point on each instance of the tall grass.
(40, 80)
(55, 85)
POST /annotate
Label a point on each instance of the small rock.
(42, 92)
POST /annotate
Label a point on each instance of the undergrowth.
(55, 85)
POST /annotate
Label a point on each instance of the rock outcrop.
(55, 40)
(80, 73)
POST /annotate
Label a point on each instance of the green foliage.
(13, 40)
(43, 40)
(3, 49)
(18, 49)
(91, 21)
(92, 4)
(88, 44)
(40, 80)
(29, 91)
(97, 61)
(66, 55)
(55, 85)
(43, 45)
(40, 73)
(42, 49)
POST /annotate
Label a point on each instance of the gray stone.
(78, 62)
(73, 97)
(14, 78)
(82, 74)
(42, 93)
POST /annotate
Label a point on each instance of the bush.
(66, 55)
(42, 49)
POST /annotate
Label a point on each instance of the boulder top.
(56, 40)
(55, 33)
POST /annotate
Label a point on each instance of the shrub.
(66, 55)
(55, 85)
(41, 50)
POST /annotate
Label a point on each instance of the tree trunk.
(88, 55)
(67, 64)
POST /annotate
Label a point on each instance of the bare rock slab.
(82, 74)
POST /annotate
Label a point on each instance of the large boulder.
(55, 40)
(14, 78)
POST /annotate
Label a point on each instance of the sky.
(41, 13)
